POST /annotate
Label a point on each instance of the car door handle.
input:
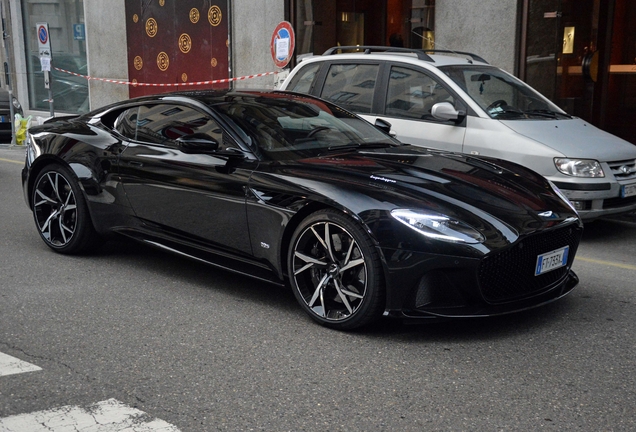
(135, 163)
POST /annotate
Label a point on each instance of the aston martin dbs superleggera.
(290, 189)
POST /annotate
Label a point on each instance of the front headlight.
(438, 226)
(579, 167)
(16, 104)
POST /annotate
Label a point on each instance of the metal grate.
(509, 275)
(623, 170)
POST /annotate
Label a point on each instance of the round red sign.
(282, 45)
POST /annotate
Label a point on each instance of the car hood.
(574, 138)
(479, 191)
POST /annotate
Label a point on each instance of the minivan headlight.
(438, 226)
(579, 167)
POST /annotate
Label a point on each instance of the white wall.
(106, 50)
(485, 27)
(253, 23)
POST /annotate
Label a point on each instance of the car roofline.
(422, 54)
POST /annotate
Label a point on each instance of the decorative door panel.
(176, 42)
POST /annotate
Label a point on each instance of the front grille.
(509, 275)
(623, 170)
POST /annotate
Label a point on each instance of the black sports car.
(288, 188)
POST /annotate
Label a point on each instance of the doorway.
(320, 25)
(581, 55)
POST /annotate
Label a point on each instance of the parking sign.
(44, 40)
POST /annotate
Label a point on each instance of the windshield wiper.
(506, 111)
(358, 146)
(547, 113)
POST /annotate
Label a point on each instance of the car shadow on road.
(471, 329)
(245, 289)
(621, 230)
(196, 273)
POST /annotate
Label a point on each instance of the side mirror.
(197, 143)
(446, 111)
(383, 125)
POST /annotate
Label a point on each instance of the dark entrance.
(322, 24)
(582, 55)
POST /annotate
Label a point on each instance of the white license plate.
(551, 260)
(628, 190)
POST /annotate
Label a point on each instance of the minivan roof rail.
(464, 53)
(422, 54)
(367, 49)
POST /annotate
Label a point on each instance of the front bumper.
(597, 200)
(422, 285)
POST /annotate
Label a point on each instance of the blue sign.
(43, 35)
(79, 31)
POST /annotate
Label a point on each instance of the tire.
(61, 213)
(335, 271)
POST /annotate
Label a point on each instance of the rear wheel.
(60, 212)
(335, 271)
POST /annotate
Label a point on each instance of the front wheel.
(60, 212)
(335, 271)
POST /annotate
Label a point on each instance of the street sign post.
(44, 49)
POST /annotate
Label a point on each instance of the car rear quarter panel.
(91, 154)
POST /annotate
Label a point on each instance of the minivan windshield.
(501, 95)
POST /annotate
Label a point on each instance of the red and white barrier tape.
(220, 81)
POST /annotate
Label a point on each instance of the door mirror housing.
(197, 143)
(446, 111)
(383, 125)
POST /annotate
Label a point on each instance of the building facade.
(579, 53)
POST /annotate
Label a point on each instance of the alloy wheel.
(55, 209)
(329, 271)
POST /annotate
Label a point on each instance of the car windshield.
(501, 95)
(280, 127)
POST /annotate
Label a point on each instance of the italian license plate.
(628, 190)
(551, 260)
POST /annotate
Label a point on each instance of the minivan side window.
(302, 81)
(351, 86)
(412, 94)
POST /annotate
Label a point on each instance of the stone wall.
(486, 28)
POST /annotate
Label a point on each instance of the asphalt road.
(208, 350)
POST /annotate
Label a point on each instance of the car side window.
(351, 86)
(412, 94)
(165, 123)
(126, 123)
(303, 80)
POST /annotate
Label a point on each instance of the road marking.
(106, 416)
(607, 263)
(12, 161)
(11, 365)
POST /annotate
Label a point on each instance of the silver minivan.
(458, 102)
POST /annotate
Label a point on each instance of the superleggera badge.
(384, 179)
